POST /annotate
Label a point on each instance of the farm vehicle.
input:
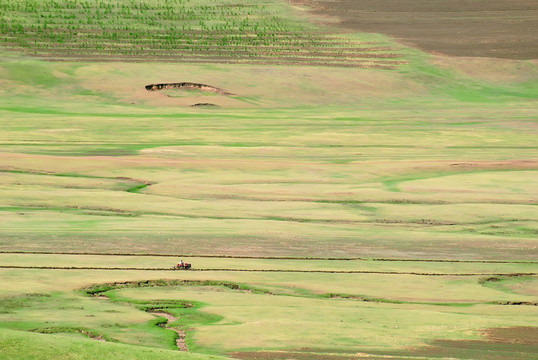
(182, 266)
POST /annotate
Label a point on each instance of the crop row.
(132, 29)
(231, 54)
(65, 52)
(207, 47)
(219, 60)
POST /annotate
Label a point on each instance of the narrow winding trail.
(180, 341)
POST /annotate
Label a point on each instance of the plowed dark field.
(485, 28)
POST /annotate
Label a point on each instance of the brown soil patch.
(498, 343)
(512, 335)
(188, 86)
(292, 355)
(493, 70)
(501, 165)
(481, 28)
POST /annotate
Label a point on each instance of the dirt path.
(180, 341)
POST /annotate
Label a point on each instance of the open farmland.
(339, 195)
(484, 28)
(182, 31)
(317, 181)
(240, 307)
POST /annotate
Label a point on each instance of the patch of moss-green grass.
(18, 345)
(10, 304)
(33, 74)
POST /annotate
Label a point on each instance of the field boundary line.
(265, 270)
(273, 257)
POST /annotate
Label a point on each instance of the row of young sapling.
(142, 28)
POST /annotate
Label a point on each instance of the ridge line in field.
(271, 257)
(266, 270)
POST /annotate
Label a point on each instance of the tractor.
(182, 266)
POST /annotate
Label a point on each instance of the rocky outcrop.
(205, 105)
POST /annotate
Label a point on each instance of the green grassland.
(394, 180)
(239, 312)
(27, 346)
(364, 200)
(421, 174)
